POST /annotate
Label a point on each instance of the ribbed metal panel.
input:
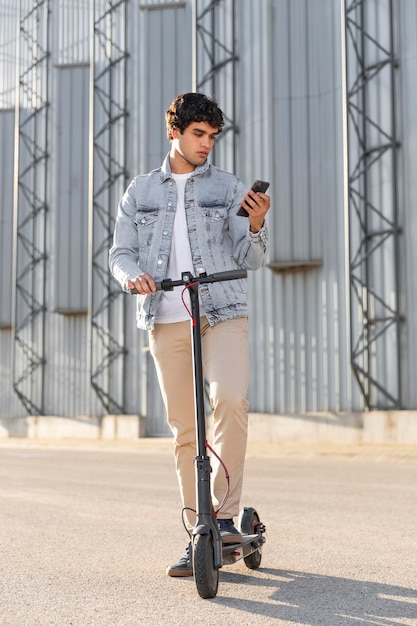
(70, 269)
(289, 110)
(8, 32)
(71, 31)
(405, 36)
(66, 359)
(10, 405)
(161, 66)
(6, 215)
(292, 117)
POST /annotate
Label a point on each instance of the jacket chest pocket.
(145, 224)
(215, 221)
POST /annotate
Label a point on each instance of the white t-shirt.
(171, 308)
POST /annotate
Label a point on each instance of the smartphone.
(258, 185)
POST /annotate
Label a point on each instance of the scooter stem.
(198, 371)
(205, 517)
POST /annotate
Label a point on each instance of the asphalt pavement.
(87, 530)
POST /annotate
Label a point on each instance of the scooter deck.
(233, 552)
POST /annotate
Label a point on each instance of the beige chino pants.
(226, 368)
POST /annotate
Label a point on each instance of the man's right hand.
(143, 284)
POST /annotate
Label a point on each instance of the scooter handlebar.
(187, 279)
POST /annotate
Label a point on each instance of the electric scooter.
(209, 554)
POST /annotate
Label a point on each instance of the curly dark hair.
(193, 107)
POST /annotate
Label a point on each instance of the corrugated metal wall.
(288, 99)
(293, 121)
(405, 29)
(8, 29)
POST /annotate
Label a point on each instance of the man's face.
(195, 144)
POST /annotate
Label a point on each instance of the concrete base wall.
(370, 428)
(51, 427)
(374, 427)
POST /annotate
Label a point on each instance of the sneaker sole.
(179, 572)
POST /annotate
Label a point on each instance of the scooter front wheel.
(205, 574)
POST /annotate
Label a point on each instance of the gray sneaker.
(183, 567)
(228, 532)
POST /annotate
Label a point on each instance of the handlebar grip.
(227, 275)
(167, 284)
(158, 286)
(164, 284)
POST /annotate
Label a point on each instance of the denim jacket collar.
(166, 169)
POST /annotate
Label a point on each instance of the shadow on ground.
(316, 600)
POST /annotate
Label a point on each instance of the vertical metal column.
(108, 176)
(373, 203)
(30, 204)
(214, 68)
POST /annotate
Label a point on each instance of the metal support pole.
(107, 181)
(373, 214)
(30, 205)
(214, 66)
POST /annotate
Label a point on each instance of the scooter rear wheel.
(205, 574)
(249, 521)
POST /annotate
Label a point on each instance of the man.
(182, 217)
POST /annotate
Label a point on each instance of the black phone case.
(258, 185)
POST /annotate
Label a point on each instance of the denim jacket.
(220, 240)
